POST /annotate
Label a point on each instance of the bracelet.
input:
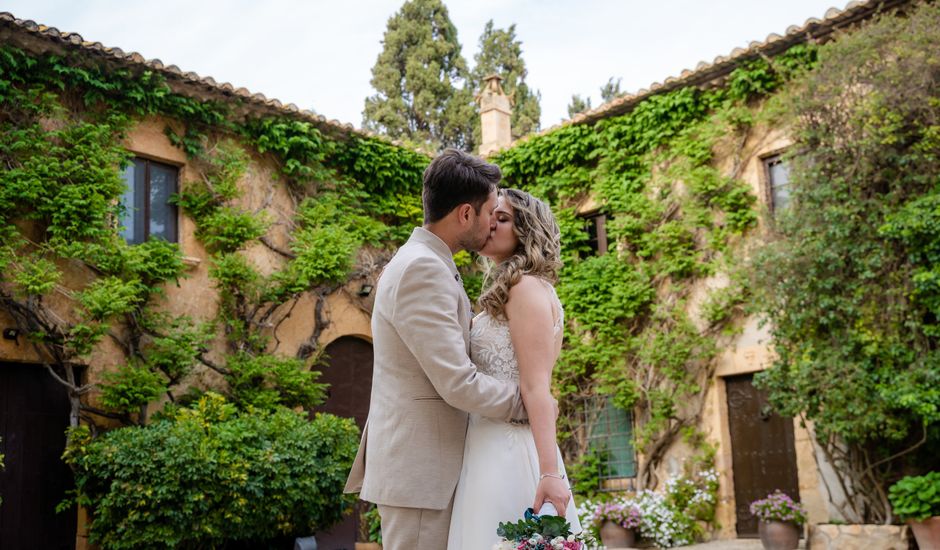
(556, 476)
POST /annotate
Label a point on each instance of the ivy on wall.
(675, 220)
(850, 287)
(70, 281)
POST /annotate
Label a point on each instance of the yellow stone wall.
(747, 352)
(195, 295)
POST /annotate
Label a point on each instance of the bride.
(510, 467)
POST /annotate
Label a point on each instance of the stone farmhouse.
(757, 450)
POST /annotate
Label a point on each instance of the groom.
(423, 383)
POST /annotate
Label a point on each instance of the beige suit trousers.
(415, 528)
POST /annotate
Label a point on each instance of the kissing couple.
(461, 428)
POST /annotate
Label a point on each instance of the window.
(610, 435)
(597, 233)
(147, 210)
(778, 183)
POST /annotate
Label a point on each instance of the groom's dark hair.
(455, 178)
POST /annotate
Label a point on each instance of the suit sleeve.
(425, 317)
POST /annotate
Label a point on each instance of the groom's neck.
(446, 232)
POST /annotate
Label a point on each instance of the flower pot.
(927, 532)
(368, 546)
(779, 535)
(616, 536)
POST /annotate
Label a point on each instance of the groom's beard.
(473, 240)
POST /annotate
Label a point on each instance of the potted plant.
(617, 522)
(917, 500)
(780, 518)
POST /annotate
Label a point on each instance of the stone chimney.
(495, 112)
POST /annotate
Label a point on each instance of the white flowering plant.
(535, 532)
(674, 517)
(696, 495)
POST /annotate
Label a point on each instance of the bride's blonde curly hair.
(538, 252)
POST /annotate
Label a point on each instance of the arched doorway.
(348, 371)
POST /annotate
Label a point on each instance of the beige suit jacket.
(423, 382)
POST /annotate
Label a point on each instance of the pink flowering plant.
(779, 506)
(620, 512)
(536, 532)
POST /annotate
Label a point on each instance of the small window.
(778, 183)
(610, 435)
(597, 233)
(147, 211)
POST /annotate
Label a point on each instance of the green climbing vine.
(673, 220)
(73, 285)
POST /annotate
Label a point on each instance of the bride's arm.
(529, 311)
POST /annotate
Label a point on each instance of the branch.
(320, 322)
(283, 318)
(910, 449)
(274, 248)
(99, 412)
(217, 368)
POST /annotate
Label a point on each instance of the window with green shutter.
(610, 435)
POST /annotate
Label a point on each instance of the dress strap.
(558, 312)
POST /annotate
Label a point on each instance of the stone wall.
(858, 537)
(195, 294)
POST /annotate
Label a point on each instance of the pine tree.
(501, 53)
(421, 79)
(578, 105)
(610, 90)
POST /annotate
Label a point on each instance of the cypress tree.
(421, 79)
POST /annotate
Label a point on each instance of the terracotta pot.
(368, 546)
(927, 532)
(779, 535)
(616, 536)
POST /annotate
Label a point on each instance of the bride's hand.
(553, 490)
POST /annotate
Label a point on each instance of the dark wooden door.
(34, 413)
(349, 373)
(762, 450)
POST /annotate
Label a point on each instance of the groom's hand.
(553, 490)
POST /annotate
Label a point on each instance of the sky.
(319, 54)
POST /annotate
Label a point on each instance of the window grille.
(610, 434)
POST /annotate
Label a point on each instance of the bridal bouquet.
(536, 532)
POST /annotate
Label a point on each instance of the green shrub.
(916, 498)
(203, 476)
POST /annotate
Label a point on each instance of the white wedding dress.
(500, 470)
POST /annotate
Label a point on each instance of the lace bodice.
(491, 347)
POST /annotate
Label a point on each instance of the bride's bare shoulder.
(530, 292)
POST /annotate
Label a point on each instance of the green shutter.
(611, 436)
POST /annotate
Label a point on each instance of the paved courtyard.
(739, 544)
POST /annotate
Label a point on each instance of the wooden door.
(762, 450)
(34, 414)
(349, 373)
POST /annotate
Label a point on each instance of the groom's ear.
(464, 213)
